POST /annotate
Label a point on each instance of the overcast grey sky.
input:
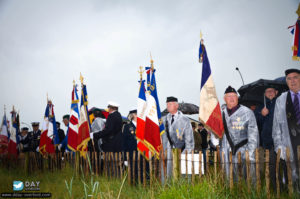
(44, 45)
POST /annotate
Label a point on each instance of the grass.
(64, 184)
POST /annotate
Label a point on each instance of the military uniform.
(286, 133)
(34, 139)
(242, 135)
(181, 136)
(25, 143)
(286, 127)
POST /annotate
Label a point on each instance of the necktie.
(296, 108)
(172, 120)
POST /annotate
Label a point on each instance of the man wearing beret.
(286, 124)
(241, 132)
(112, 133)
(178, 133)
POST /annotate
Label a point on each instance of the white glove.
(37, 149)
(126, 163)
(59, 146)
(92, 135)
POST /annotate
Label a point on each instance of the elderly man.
(179, 132)
(112, 133)
(241, 133)
(286, 125)
(264, 116)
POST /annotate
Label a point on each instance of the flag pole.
(86, 111)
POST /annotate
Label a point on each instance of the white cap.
(114, 104)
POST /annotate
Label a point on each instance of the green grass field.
(64, 184)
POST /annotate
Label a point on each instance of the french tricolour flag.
(141, 120)
(74, 121)
(4, 135)
(13, 141)
(209, 109)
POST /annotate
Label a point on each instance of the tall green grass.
(65, 184)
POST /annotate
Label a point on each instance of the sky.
(45, 45)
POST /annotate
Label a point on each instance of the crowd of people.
(273, 125)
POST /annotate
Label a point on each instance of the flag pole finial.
(73, 82)
(151, 62)
(81, 78)
(141, 72)
(201, 35)
(298, 10)
(4, 108)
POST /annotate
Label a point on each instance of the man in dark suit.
(112, 133)
(61, 136)
(130, 142)
(34, 136)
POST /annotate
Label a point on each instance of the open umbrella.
(254, 92)
(104, 113)
(185, 108)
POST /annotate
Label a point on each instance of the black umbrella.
(185, 108)
(254, 92)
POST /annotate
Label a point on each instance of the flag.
(209, 109)
(49, 135)
(4, 134)
(72, 134)
(14, 132)
(153, 90)
(296, 32)
(141, 117)
(154, 126)
(84, 123)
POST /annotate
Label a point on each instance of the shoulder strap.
(168, 134)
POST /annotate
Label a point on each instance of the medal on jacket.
(131, 130)
(179, 136)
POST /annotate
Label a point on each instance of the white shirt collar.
(134, 123)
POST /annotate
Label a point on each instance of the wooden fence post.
(215, 165)
(200, 165)
(139, 167)
(128, 168)
(133, 168)
(230, 171)
(223, 166)
(176, 172)
(207, 162)
(258, 184)
(248, 171)
(144, 169)
(267, 175)
(186, 164)
(240, 172)
(193, 169)
(277, 173)
(151, 168)
(120, 165)
(289, 171)
(160, 166)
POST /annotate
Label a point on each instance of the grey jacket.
(181, 134)
(280, 132)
